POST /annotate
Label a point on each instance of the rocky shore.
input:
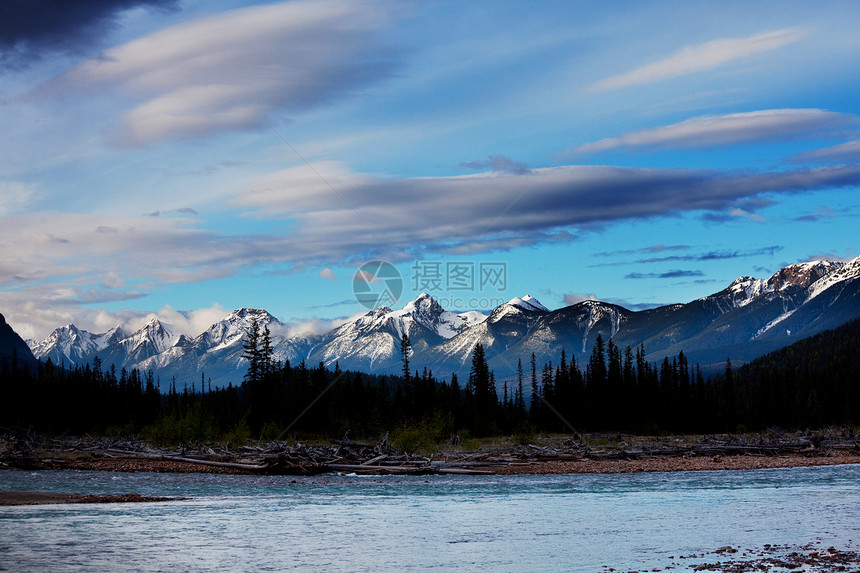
(540, 455)
(41, 498)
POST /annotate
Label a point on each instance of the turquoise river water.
(447, 523)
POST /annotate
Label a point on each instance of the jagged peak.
(246, 315)
(421, 306)
(527, 302)
(803, 274)
(744, 280)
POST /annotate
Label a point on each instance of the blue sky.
(186, 158)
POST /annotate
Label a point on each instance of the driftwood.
(27, 449)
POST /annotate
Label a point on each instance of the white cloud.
(754, 126)
(313, 326)
(738, 212)
(228, 71)
(71, 260)
(35, 313)
(701, 57)
(14, 196)
(577, 297)
(328, 274)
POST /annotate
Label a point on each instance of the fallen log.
(231, 465)
(381, 470)
(464, 471)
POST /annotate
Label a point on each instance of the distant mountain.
(504, 328)
(371, 343)
(14, 352)
(72, 346)
(216, 353)
(748, 318)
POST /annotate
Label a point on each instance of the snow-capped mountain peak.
(518, 305)
(233, 327)
(72, 345)
(529, 303)
(800, 276)
(749, 316)
(426, 311)
(112, 336)
(152, 338)
(844, 272)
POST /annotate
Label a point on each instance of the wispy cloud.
(460, 214)
(389, 218)
(823, 212)
(73, 247)
(702, 57)
(673, 274)
(497, 163)
(735, 128)
(643, 250)
(845, 152)
(713, 255)
(228, 71)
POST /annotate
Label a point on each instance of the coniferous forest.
(813, 383)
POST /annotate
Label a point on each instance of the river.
(447, 523)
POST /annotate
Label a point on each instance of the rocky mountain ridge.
(745, 320)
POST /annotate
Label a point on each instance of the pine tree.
(520, 401)
(267, 354)
(253, 354)
(405, 349)
(535, 405)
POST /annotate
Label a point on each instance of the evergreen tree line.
(809, 384)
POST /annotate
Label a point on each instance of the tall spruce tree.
(252, 353)
(405, 350)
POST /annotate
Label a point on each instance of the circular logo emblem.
(377, 284)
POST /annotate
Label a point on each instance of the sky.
(182, 158)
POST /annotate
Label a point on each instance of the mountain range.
(747, 319)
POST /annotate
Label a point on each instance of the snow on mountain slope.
(505, 326)
(745, 290)
(845, 272)
(749, 317)
(427, 312)
(231, 330)
(152, 338)
(573, 329)
(73, 346)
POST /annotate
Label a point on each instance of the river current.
(464, 523)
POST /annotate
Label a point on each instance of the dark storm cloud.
(33, 29)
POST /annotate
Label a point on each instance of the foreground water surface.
(352, 523)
